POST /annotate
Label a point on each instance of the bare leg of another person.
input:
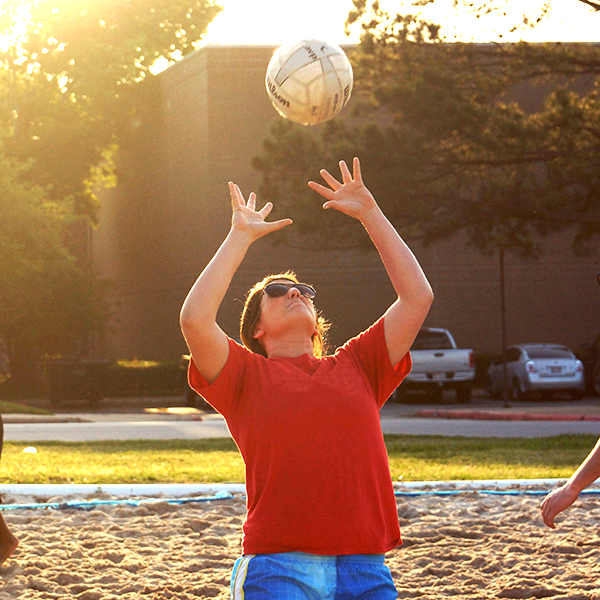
(8, 541)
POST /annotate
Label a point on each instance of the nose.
(293, 292)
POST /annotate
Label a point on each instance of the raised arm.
(406, 315)
(206, 340)
(564, 496)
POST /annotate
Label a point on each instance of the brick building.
(200, 127)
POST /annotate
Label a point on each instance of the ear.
(258, 332)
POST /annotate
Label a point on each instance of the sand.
(465, 546)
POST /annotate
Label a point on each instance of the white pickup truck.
(439, 364)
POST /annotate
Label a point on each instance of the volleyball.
(309, 81)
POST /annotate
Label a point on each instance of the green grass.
(414, 458)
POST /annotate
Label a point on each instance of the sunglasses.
(276, 290)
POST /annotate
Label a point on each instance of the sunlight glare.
(275, 22)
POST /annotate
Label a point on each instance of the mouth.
(296, 301)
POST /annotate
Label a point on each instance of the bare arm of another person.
(206, 340)
(406, 315)
(561, 498)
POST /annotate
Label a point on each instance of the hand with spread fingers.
(247, 219)
(350, 196)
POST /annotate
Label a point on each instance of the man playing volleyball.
(321, 506)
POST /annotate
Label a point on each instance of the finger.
(321, 189)
(277, 225)
(234, 193)
(330, 179)
(549, 520)
(356, 169)
(252, 201)
(332, 204)
(547, 515)
(265, 210)
(346, 175)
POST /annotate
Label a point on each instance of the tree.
(47, 300)
(508, 15)
(501, 141)
(75, 78)
(70, 86)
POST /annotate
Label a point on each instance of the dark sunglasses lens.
(276, 290)
(305, 290)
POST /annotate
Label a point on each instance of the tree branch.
(594, 5)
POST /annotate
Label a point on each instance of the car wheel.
(516, 390)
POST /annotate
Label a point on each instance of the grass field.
(412, 458)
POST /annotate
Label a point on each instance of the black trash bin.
(77, 379)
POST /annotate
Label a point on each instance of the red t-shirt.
(317, 472)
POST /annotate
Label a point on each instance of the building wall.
(202, 123)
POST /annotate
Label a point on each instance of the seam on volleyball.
(240, 578)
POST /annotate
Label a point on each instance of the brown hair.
(251, 316)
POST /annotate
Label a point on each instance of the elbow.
(429, 297)
(426, 300)
(425, 297)
(186, 320)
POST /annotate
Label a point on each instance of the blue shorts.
(300, 576)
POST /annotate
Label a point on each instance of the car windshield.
(432, 340)
(551, 352)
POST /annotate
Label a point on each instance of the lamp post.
(501, 237)
(503, 327)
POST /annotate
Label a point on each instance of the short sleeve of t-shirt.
(369, 351)
(225, 389)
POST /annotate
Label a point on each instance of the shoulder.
(368, 339)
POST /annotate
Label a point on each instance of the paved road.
(131, 427)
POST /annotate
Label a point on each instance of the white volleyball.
(309, 81)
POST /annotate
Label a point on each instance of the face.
(290, 311)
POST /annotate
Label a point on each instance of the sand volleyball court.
(469, 545)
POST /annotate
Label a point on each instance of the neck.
(281, 348)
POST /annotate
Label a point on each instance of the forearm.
(588, 471)
(402, 267)
(204, 299)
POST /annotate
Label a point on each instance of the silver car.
(544, 368)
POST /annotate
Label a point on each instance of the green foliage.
(47, 299)
(72, 82)
(145, 378)
(12, 408)
(70, 85)
(502, 142)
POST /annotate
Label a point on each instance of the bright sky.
(277, 21)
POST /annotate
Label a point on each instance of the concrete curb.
(490, 415)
